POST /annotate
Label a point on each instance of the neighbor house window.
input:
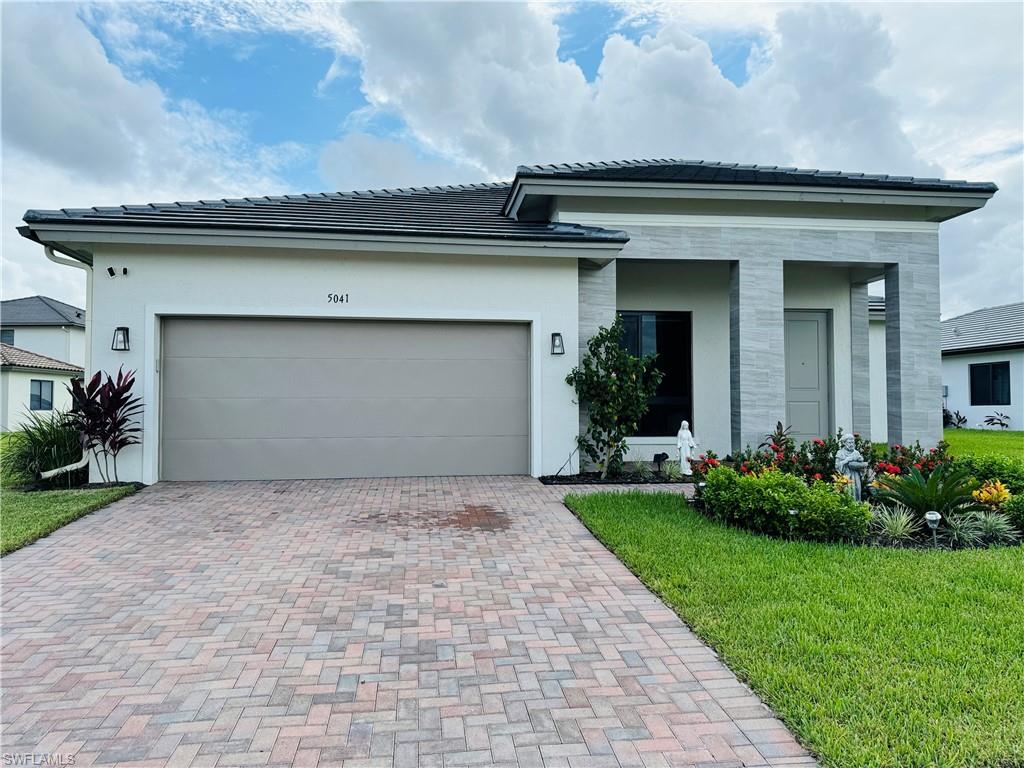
(40, 395)
(990, 383)
(7, 336)
(667, 335)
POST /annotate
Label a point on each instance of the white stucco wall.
(956, 376)
(61, 343)
(269, 282)
(876, 357)
(15, 388)
(700, 287)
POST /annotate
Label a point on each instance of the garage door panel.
(281, 398)
(339, 339)
(322, 377)
(257, 459)
(208, 418)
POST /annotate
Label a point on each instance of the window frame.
(35, 399)
(991, 399)
(686, 406)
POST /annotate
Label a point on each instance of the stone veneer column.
(912, 351)
(860, 360)
(757, 350)
(596, 307)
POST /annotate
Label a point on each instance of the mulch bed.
(594, 478)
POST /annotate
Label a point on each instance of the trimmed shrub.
(829, 516)
(1014, 511)
(1009, 469)
(761, 503)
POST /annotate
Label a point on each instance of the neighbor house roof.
(989, 328)
(457, 211)
(15, 357)
(705, 172)
(39, 310)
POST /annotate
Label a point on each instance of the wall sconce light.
(120, 342)
(557, 346)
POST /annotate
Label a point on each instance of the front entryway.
(808, 395)
(266, 399)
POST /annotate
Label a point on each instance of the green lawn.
(27, 516)
(981, 442)
(874, 657)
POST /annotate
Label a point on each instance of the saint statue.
(851, 465)
(687, 448)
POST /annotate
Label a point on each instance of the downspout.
(66, 262)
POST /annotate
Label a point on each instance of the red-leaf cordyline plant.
(105, 413)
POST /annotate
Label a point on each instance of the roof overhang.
(79, 241)
(932, 205)
(983, 348)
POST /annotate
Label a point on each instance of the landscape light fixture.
(932, 518)
(557, 346)
(120, 342)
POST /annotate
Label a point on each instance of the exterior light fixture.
(792, 521)
(698, 497)
(557, 346)
(120, 342)
(932, 518)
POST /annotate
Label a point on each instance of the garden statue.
(851, 465)
(687, 447)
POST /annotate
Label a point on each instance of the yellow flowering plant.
(992, 493)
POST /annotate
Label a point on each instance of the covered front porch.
(747, 343)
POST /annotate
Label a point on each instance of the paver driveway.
(451, 621)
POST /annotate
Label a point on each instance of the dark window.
(667, 335)
(7, 336)
(990, 383)
(40, 395)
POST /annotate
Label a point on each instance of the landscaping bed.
(874, 656)
(624, 478)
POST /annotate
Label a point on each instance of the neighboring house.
(32, 383)
(430, 331)
(983, 364)
(45, 326)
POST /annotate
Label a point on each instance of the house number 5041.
(337, 298)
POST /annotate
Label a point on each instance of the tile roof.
(706, 172)
(15, 357)
(39, 310)
(1001, 326)
(473, 211)
(470, 210)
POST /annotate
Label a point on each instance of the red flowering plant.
(900, 459)
(705, 463)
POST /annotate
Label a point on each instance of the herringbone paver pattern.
(430, 622)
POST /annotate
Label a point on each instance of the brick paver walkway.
(431, 622)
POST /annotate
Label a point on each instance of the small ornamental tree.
(614, 386)
(105, 414)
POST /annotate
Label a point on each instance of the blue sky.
(147, 102)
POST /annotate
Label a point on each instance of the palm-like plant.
(947, 490)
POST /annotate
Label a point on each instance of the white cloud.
(77, 132)
(478, 88)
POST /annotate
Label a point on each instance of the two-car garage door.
(254, 398)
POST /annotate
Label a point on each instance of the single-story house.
(429, 331)
(32, 383)
(983, 364)
(45, 326)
